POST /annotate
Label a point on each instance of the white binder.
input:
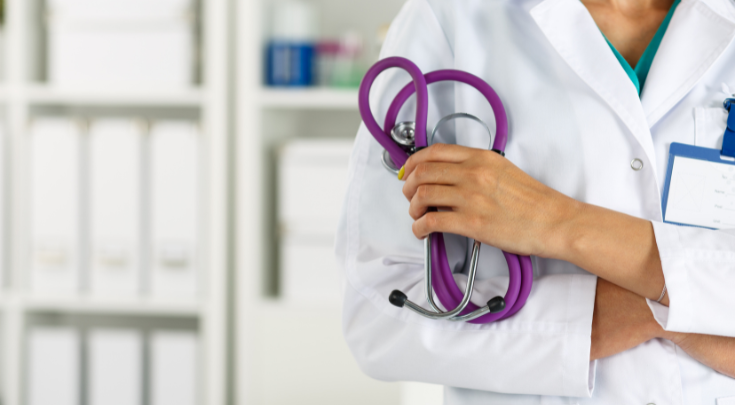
(311, 186)
(115, 204)
(121, 43)
(115, 367)
(174, 368)
(53, 366)
(312, 183)
(55, 205)
(309, 270)
(174, 208)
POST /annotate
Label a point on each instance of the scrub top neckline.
(640, 73)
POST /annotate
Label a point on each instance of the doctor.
(596, 91)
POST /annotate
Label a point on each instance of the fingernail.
(401, 172)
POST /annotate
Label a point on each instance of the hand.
(484, 196)
(621, 321)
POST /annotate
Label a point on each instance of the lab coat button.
(636, 165)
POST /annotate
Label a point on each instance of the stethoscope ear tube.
(382, 135)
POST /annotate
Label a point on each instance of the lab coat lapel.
(573, 33)
(694, 40)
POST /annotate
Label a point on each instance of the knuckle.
(416, 230)
(413, 211)
(406, 191)
(432, 220)
(423, 192)
(421, 170)
(484, 177)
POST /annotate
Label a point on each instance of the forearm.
(716, 352)
(614, 246)
(622, 321)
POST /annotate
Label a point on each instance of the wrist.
(563, 235)
(571, 235)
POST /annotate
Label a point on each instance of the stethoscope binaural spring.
(400, 140)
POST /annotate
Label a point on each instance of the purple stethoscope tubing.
(445, 287)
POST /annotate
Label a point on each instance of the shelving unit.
(309, 99)
(44, 95)
(266, 324)
(23, 94)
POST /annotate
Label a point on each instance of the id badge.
(700, 188)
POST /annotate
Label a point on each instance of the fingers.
(431, 173)
(434, 196)
(439, 152)
(438, 221)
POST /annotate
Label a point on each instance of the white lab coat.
(576, 123)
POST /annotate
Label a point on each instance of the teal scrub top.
(639, 74)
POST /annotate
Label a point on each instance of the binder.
(115, 206)
(312, 184)
(309, 270)
(115, 367)
(121, 43)
(53, 366)
(174, 368)
(55, 159)
(311, 187)
(174, 208)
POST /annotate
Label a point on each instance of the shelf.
(47, 95)
(279, 305)
(131, 306)
(311, 98)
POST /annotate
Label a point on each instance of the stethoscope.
(405, 138)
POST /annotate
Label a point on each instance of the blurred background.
(171, 174)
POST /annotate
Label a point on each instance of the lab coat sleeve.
(543, 350)
(699, 269)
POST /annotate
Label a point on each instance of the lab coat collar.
(573, 33)
(698, 34)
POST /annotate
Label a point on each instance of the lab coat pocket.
(709, 126)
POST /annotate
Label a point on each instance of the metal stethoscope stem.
(400, 299)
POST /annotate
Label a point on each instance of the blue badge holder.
(725, 156)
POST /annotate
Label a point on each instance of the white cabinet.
(78, 207)
(289, 199)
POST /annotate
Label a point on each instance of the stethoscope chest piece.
(404, 134)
